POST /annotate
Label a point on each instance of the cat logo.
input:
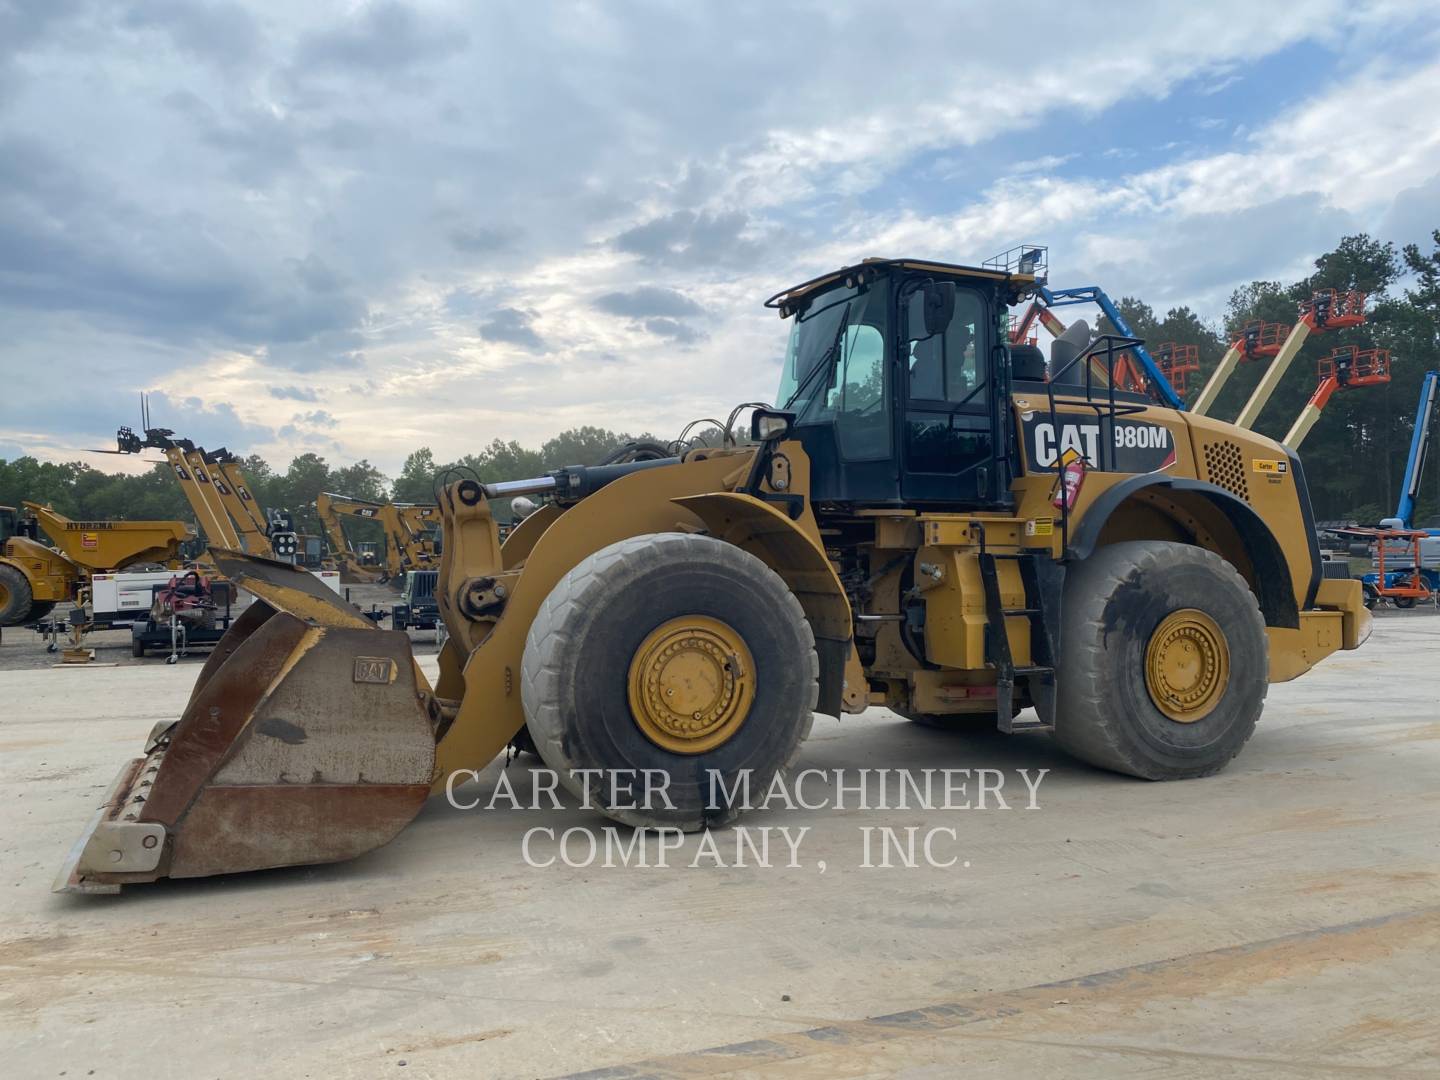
(1275, 468)
(1117, 445)
(373, 669)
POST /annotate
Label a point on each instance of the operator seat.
(1064, 349)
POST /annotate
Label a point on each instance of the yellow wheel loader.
(930, 520)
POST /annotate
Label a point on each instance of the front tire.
(16, 597)
(671, 652)
(1164, 661)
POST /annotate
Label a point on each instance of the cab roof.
(790, 300)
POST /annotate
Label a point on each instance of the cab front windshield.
(835, 368)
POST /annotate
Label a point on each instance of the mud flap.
(309, 738)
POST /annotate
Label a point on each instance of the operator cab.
(898, 373)
(7, 523)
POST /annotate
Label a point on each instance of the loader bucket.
(309, 738)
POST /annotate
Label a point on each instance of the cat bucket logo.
(1128, 446)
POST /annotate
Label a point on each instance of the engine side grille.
(1225, 467)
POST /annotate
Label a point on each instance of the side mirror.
(939, 299)
(768, 425)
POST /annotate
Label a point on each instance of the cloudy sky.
(360, 227)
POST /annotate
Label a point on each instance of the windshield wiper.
(825, 357)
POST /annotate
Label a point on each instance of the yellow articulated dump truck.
(34, 577)
(930, 519)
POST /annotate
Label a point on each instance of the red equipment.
(1405, 586)
(1176, 362)
(1260, 340)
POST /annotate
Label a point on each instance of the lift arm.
(1325, 310)
(1260, 396)
(1345, 369)
(1311, 412)
(214, 522)
(234, 490)
(1218, 378)
(1419, 445)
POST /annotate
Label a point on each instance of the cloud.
(218, 32)
(295, 393)
(687, 238)
(1414, 215)
(315, 418)
(479, 239)
(514, 326)
(648, 300)
(211, 424)
(380, 36)
(674, 330)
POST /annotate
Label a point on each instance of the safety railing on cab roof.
(1100, 356)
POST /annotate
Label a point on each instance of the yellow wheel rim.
(691, 684)
(1187, 665)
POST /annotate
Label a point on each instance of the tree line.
(1354, 457)
(80, 491)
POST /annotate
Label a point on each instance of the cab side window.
(862, 408)
(947, 410)
(944, 366)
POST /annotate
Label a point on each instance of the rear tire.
(16, 597)
(599, 626)
(1173, 617)
(1405, 603)
(137, 647)
(38, 610)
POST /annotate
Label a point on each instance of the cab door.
(948, 429)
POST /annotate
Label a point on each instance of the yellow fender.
(793, 550)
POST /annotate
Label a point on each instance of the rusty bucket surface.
(308, 739)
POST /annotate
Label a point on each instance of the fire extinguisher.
(1067, 486)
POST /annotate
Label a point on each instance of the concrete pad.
(1281, 918)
